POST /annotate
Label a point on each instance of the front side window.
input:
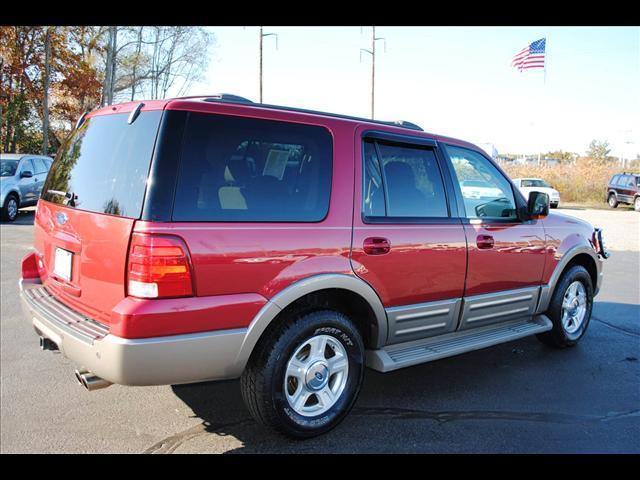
(252, 170)
(27, 166)
(486, 192)
(402, 181)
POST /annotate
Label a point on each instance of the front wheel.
(10, 208)
(305, 375)
(636, 204)
(569, 309)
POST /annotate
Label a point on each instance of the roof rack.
(230, 98)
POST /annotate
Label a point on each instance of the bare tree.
(46, 82)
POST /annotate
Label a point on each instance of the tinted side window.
(244, 169)
(39, 165)
(614, 180)
(373, 193)
(27, 166)
(631, 181)
(485, 191)
(411, 180)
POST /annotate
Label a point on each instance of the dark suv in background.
(623, 188)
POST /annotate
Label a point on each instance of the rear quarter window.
(252, 170)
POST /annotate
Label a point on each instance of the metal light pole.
(372, 52)
(262, 35)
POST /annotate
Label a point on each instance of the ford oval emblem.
(62, 218)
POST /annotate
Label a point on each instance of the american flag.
(532, 56)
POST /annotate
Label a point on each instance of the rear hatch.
(90, 202)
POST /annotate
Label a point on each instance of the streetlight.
(372, 52)
(262, 35)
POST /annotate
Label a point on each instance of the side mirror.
(538, 205)
(26, 174)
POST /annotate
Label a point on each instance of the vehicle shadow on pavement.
(445, 406)
(24, 218)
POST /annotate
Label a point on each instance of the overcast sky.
(452, 81)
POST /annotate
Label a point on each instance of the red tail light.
(159, 267)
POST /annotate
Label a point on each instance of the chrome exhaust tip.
(90, 381)
(46, 344)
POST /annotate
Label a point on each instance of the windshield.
(535, 183)
(8, 168)
(104, 166)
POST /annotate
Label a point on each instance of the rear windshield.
(103, 167)
(245, 169)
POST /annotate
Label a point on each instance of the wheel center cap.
(317, 376)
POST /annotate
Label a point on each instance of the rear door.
(506, 255)
(40, 174)
(407, 240)
(90, 200)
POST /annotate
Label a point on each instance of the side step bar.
(393, 357)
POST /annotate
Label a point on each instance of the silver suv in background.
(22, 176)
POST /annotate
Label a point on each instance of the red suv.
(210, 238)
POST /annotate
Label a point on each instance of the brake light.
(159, 267)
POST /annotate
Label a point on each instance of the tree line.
(50, 75)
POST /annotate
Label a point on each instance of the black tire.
(6, 209)
(558, 336)
(612, 201)
(263, 381)
(636, 204)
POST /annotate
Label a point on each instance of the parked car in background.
(479, 189)
(212, 238)
(623, 188)
(528, 185)
(22, 176)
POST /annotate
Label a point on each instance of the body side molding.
(301, 288)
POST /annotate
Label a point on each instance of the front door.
(27, 185)
(407, 244)
(506, 254)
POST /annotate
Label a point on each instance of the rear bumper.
(148, 361)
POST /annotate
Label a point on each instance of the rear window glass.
(103, 167)
(242, 169)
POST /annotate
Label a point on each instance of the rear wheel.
(10, 208)
(305, 375)
(569, 309)
(613, 203)
(636, 204)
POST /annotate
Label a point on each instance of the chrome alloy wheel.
(316, 375)
(12, 208)
(574, 307)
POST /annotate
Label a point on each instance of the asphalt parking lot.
(519, 397)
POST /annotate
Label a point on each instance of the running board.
(393, 357)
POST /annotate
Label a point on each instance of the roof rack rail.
(227, 97)
(230, 98)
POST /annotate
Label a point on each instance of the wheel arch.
(346, 293)
(578, 255)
